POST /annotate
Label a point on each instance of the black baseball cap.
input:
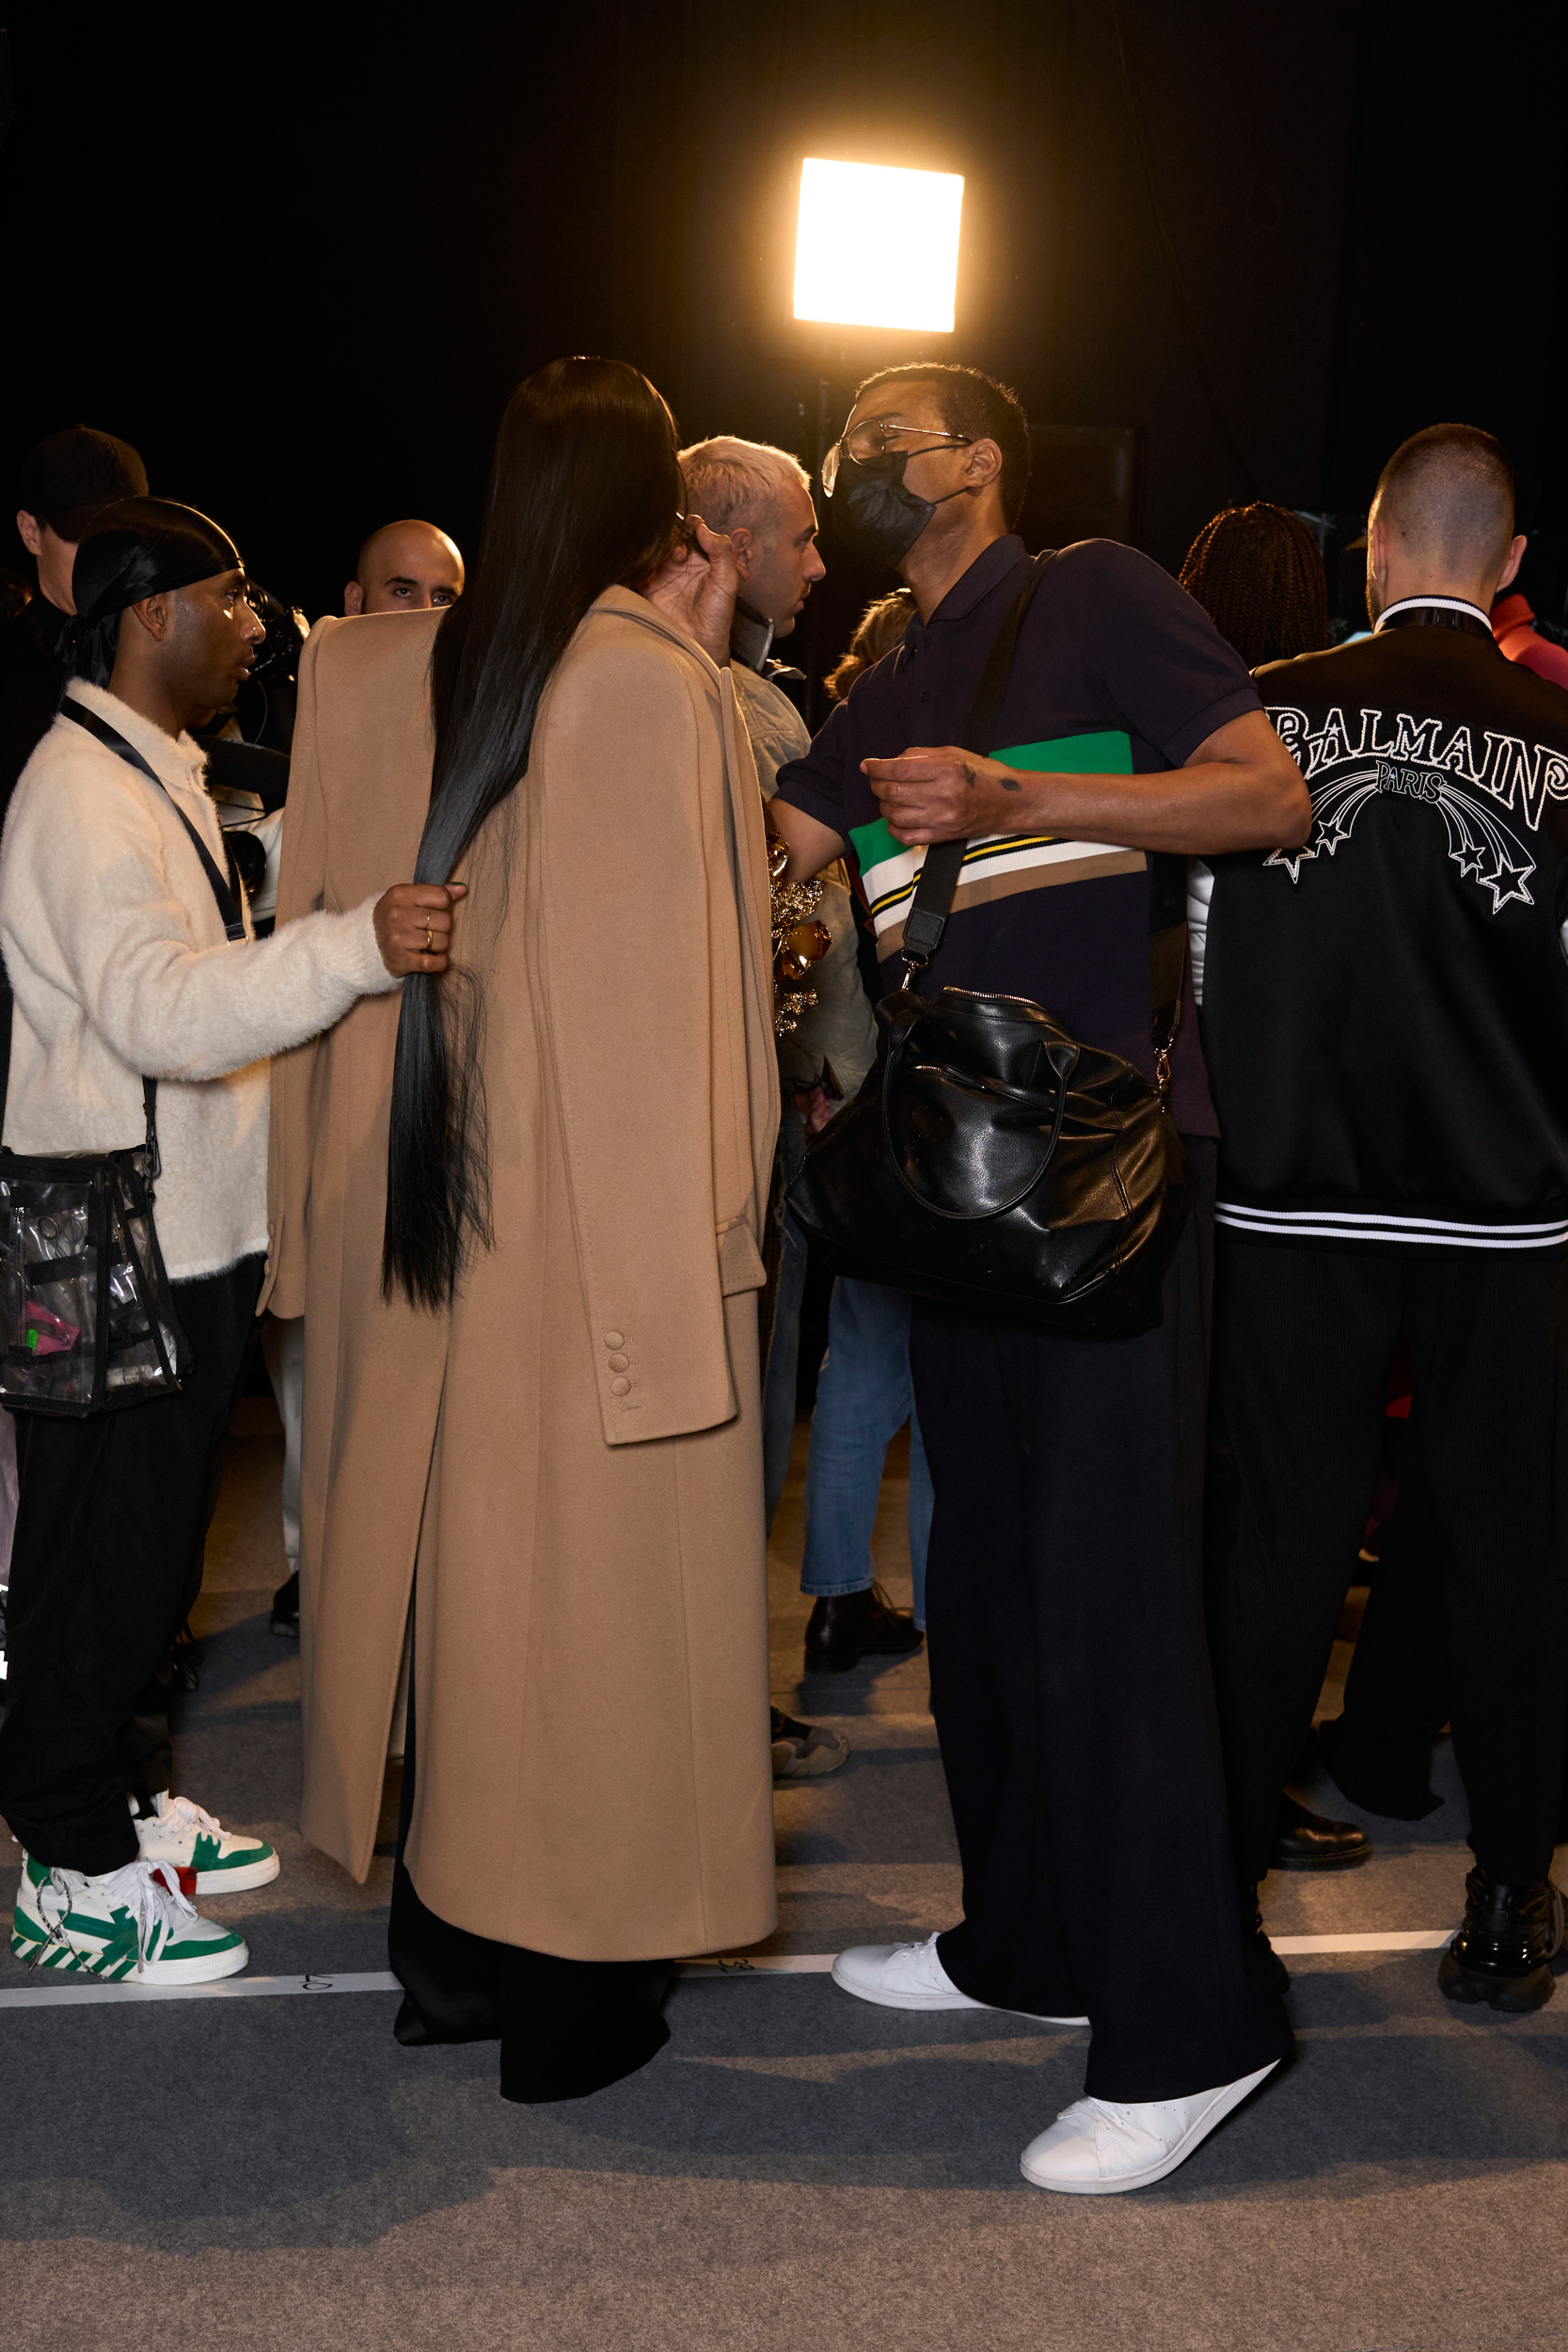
(66, 479)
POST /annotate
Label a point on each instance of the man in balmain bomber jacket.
(1386, 1020)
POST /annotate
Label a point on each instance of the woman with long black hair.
(521, 1217)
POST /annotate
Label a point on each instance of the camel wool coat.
(570, 1457)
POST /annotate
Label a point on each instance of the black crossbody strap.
(228, 905)
(932, 903)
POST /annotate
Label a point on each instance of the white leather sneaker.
(1097, 2147)
(910, 1976)
(183, 1837)
(128, 1923)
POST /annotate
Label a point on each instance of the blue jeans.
(863, 1398)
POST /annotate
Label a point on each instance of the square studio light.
(878, 247)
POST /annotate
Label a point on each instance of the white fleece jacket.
(119, 964)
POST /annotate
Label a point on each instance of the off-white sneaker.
(130, 1923)
(910, 1976)
(1097, 2147)
(208, 1858)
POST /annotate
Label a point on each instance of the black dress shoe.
(285, 1609)
(847, 1627)
(1503, 1952)
(1306, 1841)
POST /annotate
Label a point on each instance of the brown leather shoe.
(1308, 1841)
(845, 1628)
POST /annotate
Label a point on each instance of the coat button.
(614, 1339)
(620, 1363)
(619, 1388)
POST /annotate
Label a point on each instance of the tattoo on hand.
(1009, 782)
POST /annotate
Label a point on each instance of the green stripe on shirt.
(1105, 754)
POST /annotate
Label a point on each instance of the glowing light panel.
(878, 247)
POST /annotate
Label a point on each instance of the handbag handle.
(1063, 1058)
(927, 920)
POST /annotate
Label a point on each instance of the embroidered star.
(1506, 871)
(1293, 860)
(1335, 827)
(1329, 828)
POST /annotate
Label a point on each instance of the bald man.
(405, 567)
(1386, 1020)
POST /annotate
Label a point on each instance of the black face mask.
(874, 516)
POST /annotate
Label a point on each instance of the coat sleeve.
(301, 889)
(634, 970)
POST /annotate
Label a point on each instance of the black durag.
(136, 548)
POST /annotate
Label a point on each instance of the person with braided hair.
(1257, 572)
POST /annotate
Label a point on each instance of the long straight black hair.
(585, 491)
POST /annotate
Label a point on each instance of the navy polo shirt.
(1117, 672)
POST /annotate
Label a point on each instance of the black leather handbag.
(991, 1160)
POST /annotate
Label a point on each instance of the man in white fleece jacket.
(130, 957)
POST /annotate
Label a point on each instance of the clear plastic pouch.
(87, 1321)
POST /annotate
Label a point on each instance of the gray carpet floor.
(796, 2168)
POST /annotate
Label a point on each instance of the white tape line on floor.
(1406, 1940)
(49, 1994)
(763, 1965)
(72, 1994)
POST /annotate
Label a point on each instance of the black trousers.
(1397, 1692)
(1302, 1342)
(567, 2028)
(110, 1528)
(1072, 1696)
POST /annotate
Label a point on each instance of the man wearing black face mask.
(1069, 1675)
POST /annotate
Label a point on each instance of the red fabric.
(1512, 627)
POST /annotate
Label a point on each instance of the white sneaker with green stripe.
(210, 1860)
(127, 1925)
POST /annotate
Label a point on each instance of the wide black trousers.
(1302, 1343)
(1071, 1690)
(110, 1528)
